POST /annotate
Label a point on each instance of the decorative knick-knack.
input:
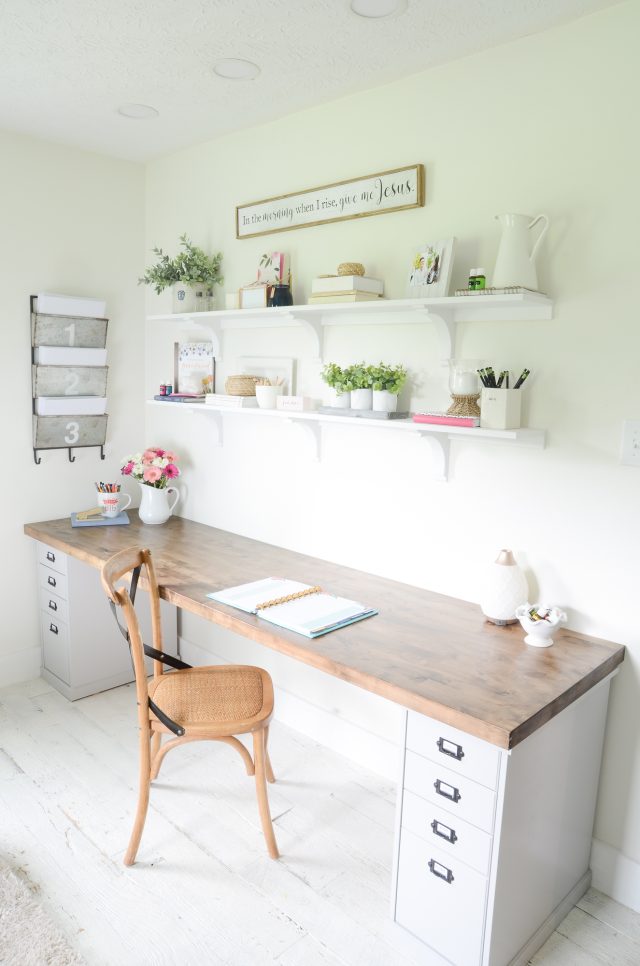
(515, 264)
(504, 591)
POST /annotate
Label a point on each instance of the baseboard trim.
(551, 923)
(20, 666)
(615, 874)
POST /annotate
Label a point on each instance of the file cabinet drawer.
(461, 752)
(441, 901)
(56, 607)
(452, 835)
(51, 557)
(53, 581)
(454, 793)
(55, 647)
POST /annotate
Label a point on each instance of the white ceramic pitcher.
(514, 264)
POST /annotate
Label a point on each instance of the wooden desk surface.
(434, 654)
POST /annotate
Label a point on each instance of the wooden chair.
(194, 704)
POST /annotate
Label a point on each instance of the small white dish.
(539, 629)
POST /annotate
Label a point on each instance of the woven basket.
(350, 268)
(243, 385)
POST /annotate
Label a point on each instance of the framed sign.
(194, 367)
(373, 194)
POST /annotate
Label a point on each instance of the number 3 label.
(73, 430)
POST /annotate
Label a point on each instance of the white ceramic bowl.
(539, 631)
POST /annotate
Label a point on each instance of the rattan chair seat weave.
(208, 695)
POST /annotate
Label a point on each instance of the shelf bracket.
(213, 327)
(216, 416)
(312, 324)
(446, 329)
(440, 451)
(313, 432)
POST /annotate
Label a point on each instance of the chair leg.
(259, 755)
(143, 797)
(267, 761)
(156, 738)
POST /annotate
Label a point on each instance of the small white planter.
(267, 396)
(338, 400)
(385, 401)
(361, 398)
(192, 297)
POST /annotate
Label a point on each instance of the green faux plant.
(190, 265)
(389, 378)
(336, 377)
(359, 376)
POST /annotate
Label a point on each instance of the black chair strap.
(151, 652)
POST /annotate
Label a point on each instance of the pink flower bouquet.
(155, 467)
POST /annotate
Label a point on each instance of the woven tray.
(243, 385)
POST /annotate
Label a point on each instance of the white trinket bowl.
(539, 631)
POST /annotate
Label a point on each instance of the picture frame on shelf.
(194, 367)
(430, 271)
(270, 367)
(273, 268)
(253, 296)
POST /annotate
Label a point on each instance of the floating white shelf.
(444, 313)
(437, 437)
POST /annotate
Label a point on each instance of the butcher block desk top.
(434, 654)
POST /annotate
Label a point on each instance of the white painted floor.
(203, 891)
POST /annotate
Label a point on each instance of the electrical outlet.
(630, 452)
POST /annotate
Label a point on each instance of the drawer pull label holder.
(442, 830)
(51, 556)
(52, 581)
(53, 605)
(53, 628)
(447, 791)
(450, 748)
(446, 874)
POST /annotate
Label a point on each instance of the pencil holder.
(500, 408)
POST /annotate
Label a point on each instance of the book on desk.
(295, 606)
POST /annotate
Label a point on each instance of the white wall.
(70, 222)
(542, 124)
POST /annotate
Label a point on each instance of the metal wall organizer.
(52, 384)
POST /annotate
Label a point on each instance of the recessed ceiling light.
(376, 9)
(139, 112)
(233, 69)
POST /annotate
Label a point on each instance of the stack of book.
(225, 401)
(345, 288)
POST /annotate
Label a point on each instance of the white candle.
(465, 383)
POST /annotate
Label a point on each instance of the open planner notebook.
(298, 607)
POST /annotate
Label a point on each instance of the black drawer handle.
(53, 628)
(51, 556)
(450, 748)
(52, 581)
(448, 834)
(447, 791)
(446, 874)
(53, 605)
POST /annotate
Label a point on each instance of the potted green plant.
(339, 395)
(360, 383)
(192, 273)
(386, 383)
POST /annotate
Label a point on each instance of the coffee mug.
(112, 504)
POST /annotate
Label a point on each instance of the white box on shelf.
(71, 405)
(347, 283)
(500, 408)
(295, 404)
(53, 304)
(47, 355)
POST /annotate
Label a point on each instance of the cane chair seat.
(210, 699)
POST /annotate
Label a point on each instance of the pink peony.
(168, 455)
(171, 471)
(149, 455)
(151, 474)
(127, 469)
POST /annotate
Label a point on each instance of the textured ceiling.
(66, 65)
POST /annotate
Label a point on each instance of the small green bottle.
(472, 279)
(480, 279)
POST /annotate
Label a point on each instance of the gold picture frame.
(326, 200)
(253, 296)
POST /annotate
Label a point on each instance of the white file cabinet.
(82, 650)
(493, 846)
